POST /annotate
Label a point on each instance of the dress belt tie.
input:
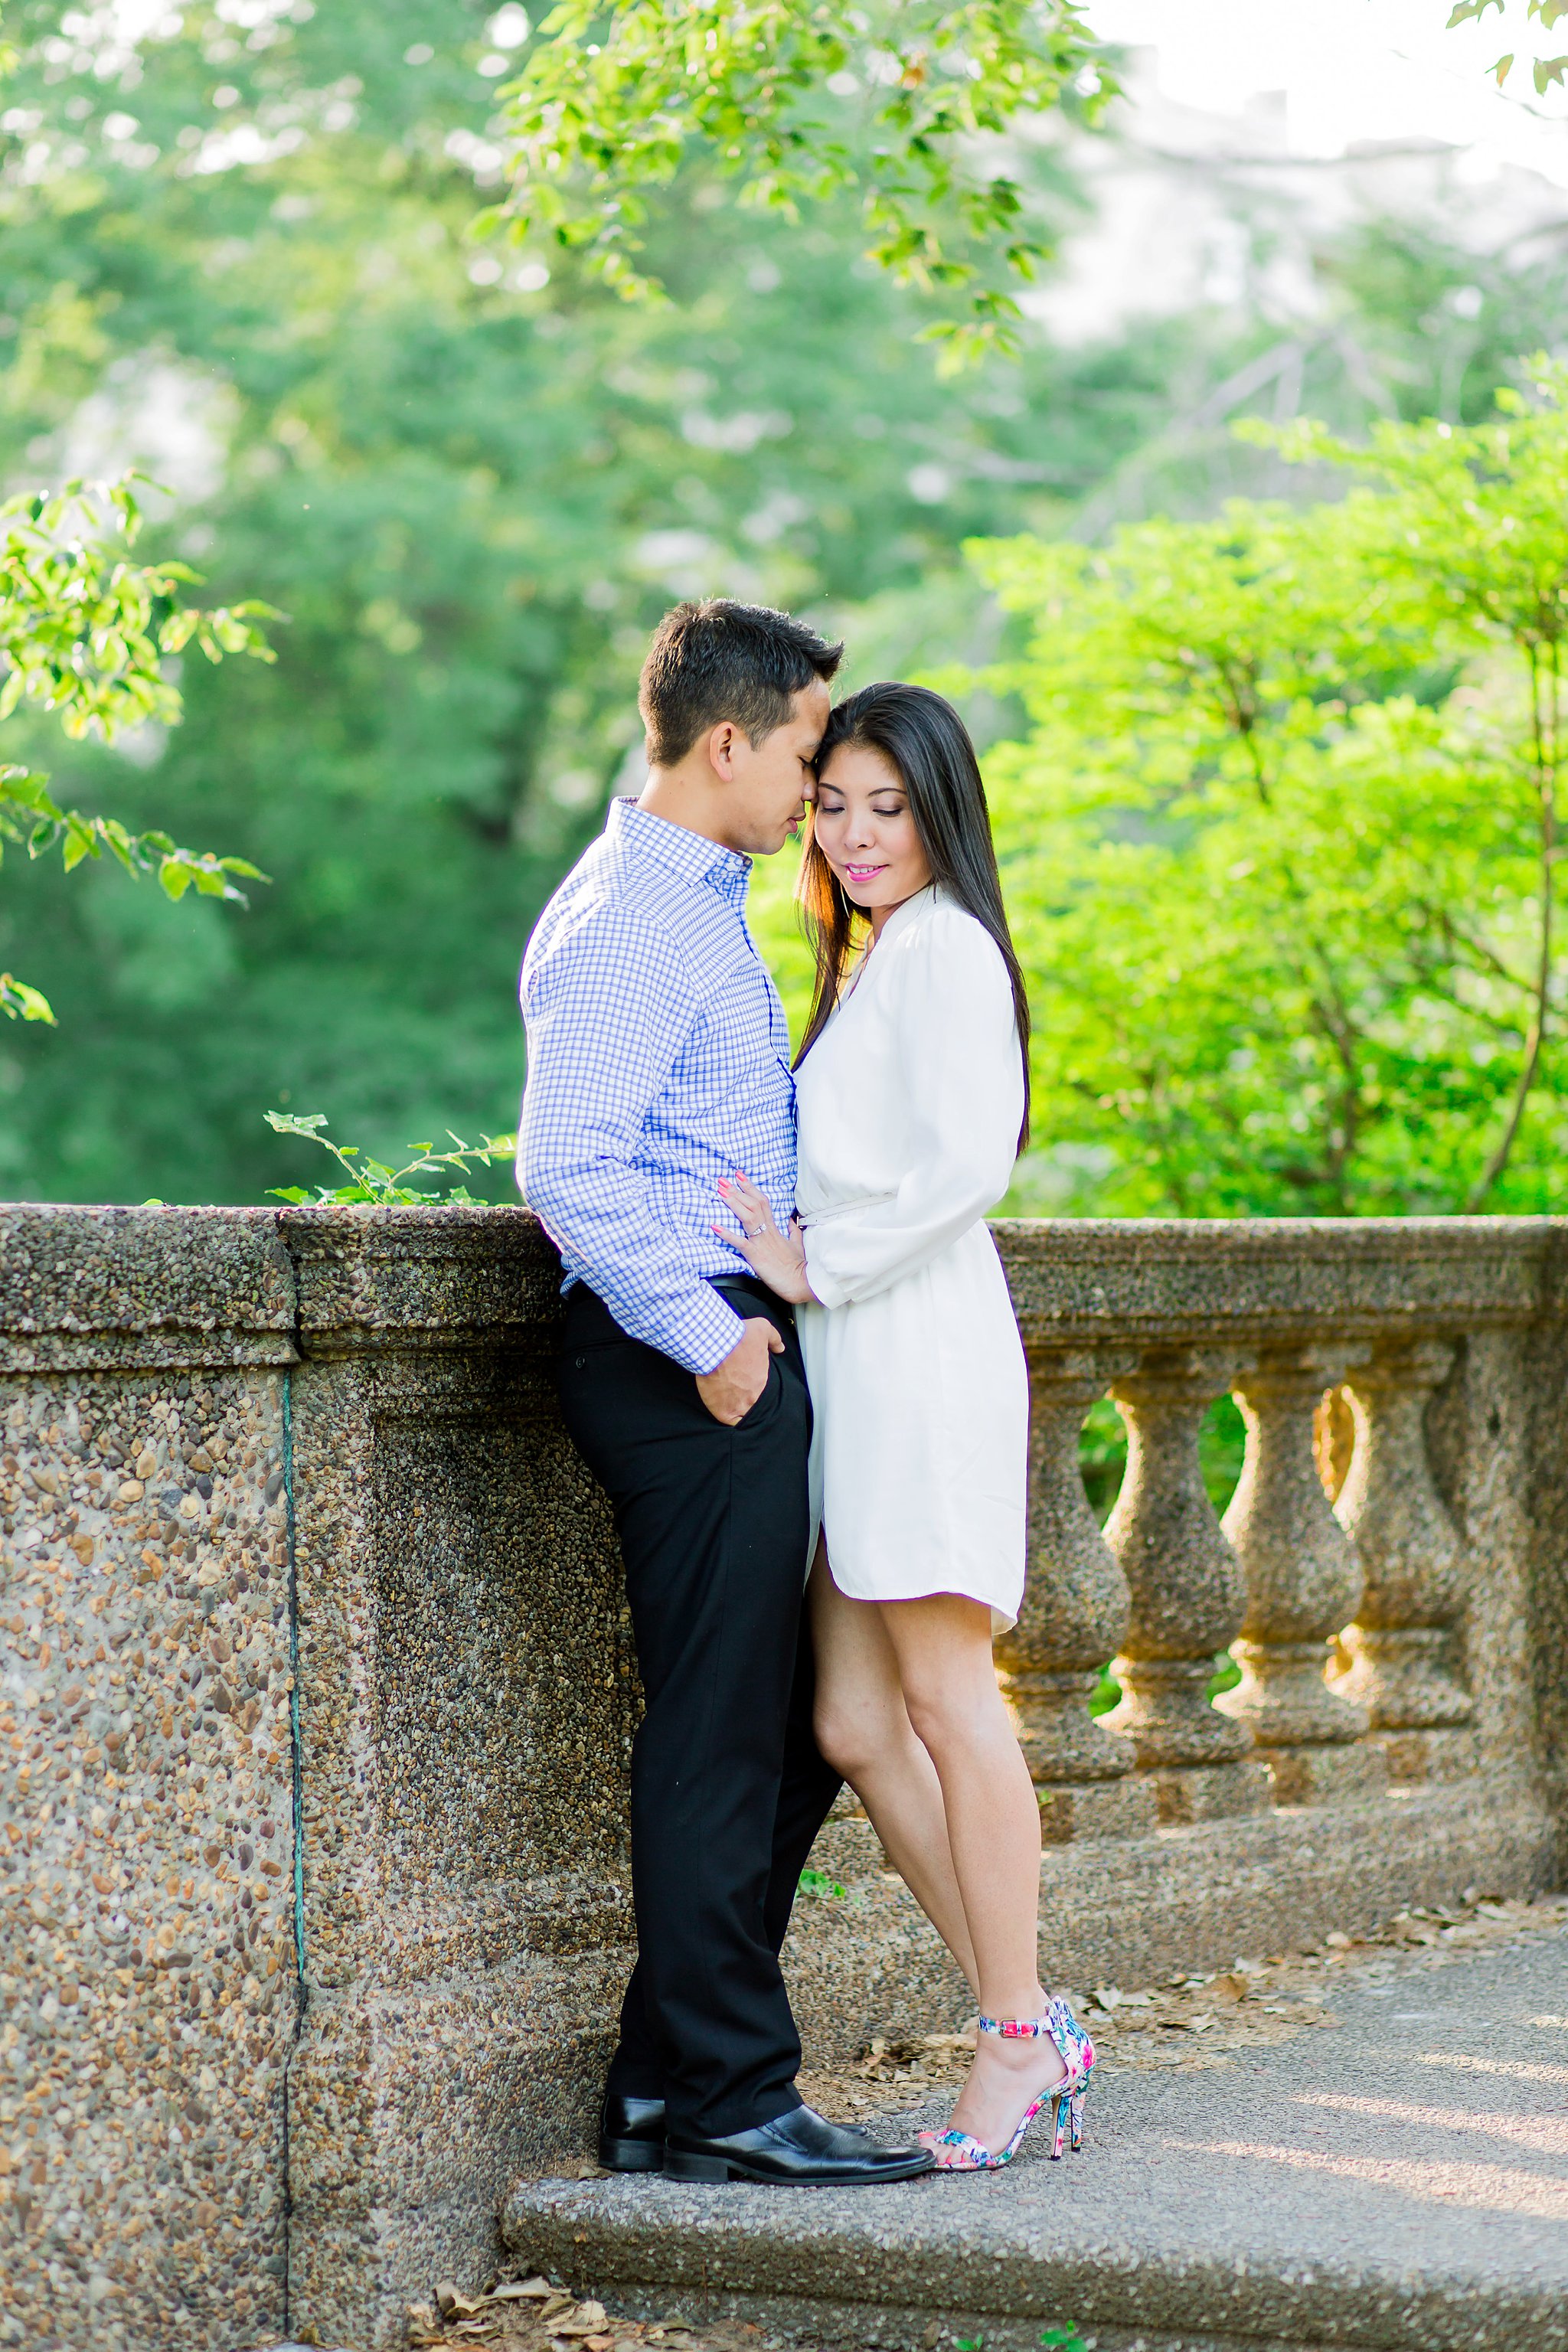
(831, 1209)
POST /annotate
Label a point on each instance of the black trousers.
(729, 1789)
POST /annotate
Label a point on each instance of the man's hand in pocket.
(732, 1388)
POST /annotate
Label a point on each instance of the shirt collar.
(690, 856)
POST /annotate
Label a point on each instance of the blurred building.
(1194, 208)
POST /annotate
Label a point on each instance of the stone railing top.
(1201, 1282)
(371, 1279)
(87, 1286)
(83, 1288)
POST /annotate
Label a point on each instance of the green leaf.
(25, 789)
(1502, 68)
(81, 840)
(1548, 70)
(77, 631)
(75, 621)
(1468, 10)
(604, 110)
(18, 999)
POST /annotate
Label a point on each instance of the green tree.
(901, 103)
(473, 490)
(1281, 842)
(238, 249)
(87, 636)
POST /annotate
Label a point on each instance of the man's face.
(769, 785)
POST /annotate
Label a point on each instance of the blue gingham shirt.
(657, 1062)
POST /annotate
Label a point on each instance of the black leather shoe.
(801, 2150)
(631, 2134)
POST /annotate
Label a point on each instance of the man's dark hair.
(717, 660)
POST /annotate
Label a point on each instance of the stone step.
(1399, 2184)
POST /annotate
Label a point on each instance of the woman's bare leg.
(863, 1730)
(941, 1646)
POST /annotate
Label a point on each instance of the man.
(659, 1063)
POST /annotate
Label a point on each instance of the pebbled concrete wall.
(315, 1705)
(467, 1702)
(146, 1906)
(315, 1694)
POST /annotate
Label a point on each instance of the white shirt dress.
(909, 1106)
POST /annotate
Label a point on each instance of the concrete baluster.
(1187, 1593)
(1334, 1441)
(1073, 1618)
(1303, 1582)
(1400, 1646)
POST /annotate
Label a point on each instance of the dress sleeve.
(963, 1070)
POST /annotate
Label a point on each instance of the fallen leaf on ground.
(454, 2305)
(587, 2320)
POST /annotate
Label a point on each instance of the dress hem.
(1001, 1621)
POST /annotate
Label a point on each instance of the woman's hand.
(778, 1258)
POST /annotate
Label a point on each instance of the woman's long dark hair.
(927, 742)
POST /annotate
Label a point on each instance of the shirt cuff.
(709, 1334)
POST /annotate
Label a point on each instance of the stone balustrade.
(317, 1694)
(1347, 1616)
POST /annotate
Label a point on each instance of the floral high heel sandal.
(1065, 2098)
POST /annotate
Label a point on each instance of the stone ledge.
(375, 1279)
(127, 1289)
(1174, 1281)
(369, 1279)
(1397, 2185)
(84, 1288)
(1517, 2320)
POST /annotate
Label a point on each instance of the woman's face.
(863, 827)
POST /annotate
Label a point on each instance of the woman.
(912, 1090)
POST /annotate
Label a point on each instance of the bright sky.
(1358, 69)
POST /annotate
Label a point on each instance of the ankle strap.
(1017, 2028)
